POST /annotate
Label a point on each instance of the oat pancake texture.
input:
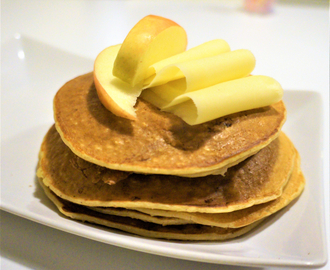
(159, 142)
(123, 212)
(244, 217)
(256, 180)
(189, 232)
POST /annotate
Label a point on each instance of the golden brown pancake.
(243, 217)
(235, 219)
(189, 232)
(256, 180)
(122, 212)
(159, 142)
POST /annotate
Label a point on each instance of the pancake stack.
(159, 177)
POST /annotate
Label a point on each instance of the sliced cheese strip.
(199, 74)
(205, 72)
(207, 49)
(162, 95)
(209, 71)
(226, 98)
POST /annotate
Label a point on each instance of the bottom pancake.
(158, 219)
(189, 232)
(182, 225)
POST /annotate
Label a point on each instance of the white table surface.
(291, 44)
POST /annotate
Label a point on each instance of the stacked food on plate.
(165, 142)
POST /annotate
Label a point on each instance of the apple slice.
(116, 95)
(152, 39)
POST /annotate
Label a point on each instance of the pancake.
(159, 142)
(235, 219)
(122, 212)
(189, 232)
(256, 180)
(244, 217)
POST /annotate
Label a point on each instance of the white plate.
(32, 72)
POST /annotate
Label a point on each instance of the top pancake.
(159, 142)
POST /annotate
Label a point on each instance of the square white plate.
(32, 72)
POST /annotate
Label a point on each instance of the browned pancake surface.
(258, 179)
(188, 232)
(158, 142)
(243, 217)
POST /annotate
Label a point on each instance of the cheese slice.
(207, 49)
(199, 74)
(209, 71)
(226, 98)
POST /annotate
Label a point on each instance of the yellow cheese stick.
(226, 98)
(201, 73)
(209, 71)
(207, 49)
(162, 95)
(204, 72)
